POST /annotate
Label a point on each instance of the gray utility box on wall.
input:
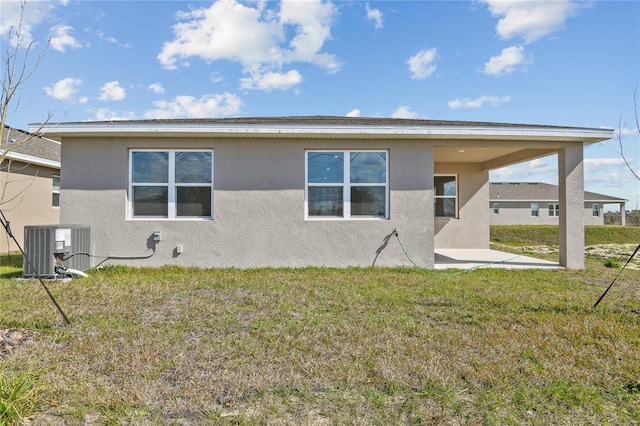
(41, 242)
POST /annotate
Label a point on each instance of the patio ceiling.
(489, 157)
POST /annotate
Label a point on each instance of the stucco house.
(537, 203)
(302, 191)
(29, 183)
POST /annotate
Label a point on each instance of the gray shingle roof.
(537, 191)
(322, 120)
(25, 143)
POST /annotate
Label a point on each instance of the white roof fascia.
(473, 132)
(31, 159)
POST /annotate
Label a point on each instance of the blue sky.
(569, 63)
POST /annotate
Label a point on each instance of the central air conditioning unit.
(43, 242)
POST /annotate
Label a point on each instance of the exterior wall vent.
(43, 241)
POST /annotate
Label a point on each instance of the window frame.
(554, 210)
(496, 208)
(346, 185)
(55, 202)
(455, 197)
(595, 210)
(171, 185)
(535, 209)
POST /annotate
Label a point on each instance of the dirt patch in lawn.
(12, 338)
(619, 252)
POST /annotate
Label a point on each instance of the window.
(446, 195)
(554, 210)
(171, 184)
(55, 201)
(595, 210)
(347, 184)
(534, 210)
(496, 208)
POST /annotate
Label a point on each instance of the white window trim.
(53, 191)
(171, 207)
(496, 208)
(554, 210)
(455, 216)
(346, 185)
(595, 210)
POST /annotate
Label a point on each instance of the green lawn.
(548, 234)
(327, 346)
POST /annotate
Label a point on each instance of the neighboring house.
(29, 183)
(537, 203)
(301, 191)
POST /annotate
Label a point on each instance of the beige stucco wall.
(471, 228)
(26, 192)
(258, 206)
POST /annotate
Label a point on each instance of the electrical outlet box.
(156, 236)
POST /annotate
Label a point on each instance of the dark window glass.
(150, 201)
(325, 201)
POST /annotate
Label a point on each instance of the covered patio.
(487, 258)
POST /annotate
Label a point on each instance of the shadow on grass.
(11, 265)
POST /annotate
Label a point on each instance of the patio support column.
(623, 214)
(571, 194)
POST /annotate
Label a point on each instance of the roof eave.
(58, 131)
(30, 159)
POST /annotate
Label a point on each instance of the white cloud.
(404, 112)
(105, 114)
(61, 39)
(269, 81)
(608, 180)
(156, 88)
(216, 77)
(354, 113)
(374, 15)
(421, 65)
(594, 164)
(226, 30)
(219, 105)
(63, 89)
(256, 37)
(478, 102)
(112, 91)
(530, 19)
(312, 21)
(111, 39)
(35, 12)
(509, 59)
(626, 132)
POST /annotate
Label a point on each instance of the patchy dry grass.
(331, 346)
(610, 245)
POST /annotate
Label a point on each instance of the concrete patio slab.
(486, 258)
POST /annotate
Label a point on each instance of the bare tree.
(19, 63)
(622, 126)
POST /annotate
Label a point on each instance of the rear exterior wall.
(471, 228)
(258, 206)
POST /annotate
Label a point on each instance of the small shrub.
(611, 263)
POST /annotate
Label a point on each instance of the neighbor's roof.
(30, 148)
(538, 191)
(323, 126)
